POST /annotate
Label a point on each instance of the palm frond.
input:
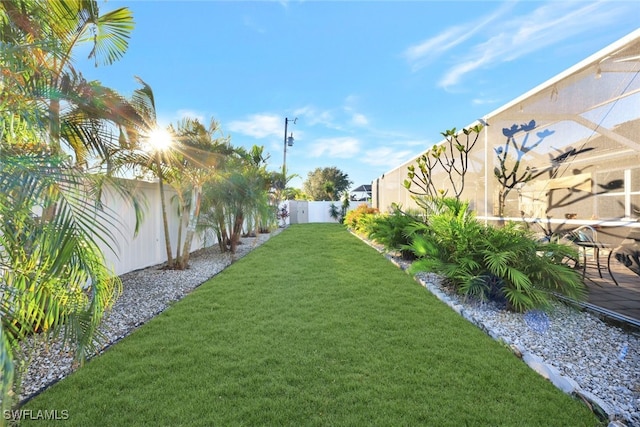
(56, 264)
(111, 35)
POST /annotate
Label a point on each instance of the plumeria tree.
(451, 157)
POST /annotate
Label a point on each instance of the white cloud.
(313, 116)
(548, 25)
(342, 147)
(251, 24)
(338, 118)
(417, 143)
(387, 156)
(189, 114)
(422, 54)
(428, 51)
(483, 101)
(259, 125)
(350, 107)
(351, 100)
(359, 119)
(455, 74)
(514, 37)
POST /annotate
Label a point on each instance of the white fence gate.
(302, 211)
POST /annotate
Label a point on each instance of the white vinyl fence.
(147, 248)
(302, 212)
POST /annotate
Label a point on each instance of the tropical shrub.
(55, 280)
(334, 212)
(503, 264)
(353, 217)
(365, 224)
(446, 242)
(339, 213)
(390, 230)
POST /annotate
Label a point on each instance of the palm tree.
(44, 36)
(54, 275)
(200, 152)
(163, 203)
(264, 204)
(248, 189)
(149, 150)
(232, 194)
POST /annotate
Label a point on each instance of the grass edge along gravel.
(314, 327)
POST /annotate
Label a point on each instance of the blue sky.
(372, 83)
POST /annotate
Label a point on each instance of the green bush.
(365, 224)
(498, 263)
(358, 218)
(390, 230)
(446, 243)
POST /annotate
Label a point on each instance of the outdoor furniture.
(586, 237)
(596, 246)
(627, 253)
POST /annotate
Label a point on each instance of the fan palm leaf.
(54, 277)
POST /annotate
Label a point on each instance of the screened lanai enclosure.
(562, 156)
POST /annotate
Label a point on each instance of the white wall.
(147, 248)
(318, 211)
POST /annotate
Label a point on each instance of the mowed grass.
(314, 327)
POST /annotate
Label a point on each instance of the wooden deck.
(624, 299)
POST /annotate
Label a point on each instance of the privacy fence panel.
(147, 247)
(303, 211)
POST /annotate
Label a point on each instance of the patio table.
(628, 253)
(596, 246)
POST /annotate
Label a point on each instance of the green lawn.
(314, 327)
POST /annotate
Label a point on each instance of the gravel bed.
(145, 294)
(577, 350)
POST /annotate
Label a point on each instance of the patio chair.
(586, 237)
(584, 233)
(628, 253)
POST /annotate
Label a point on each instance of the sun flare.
(160, 139)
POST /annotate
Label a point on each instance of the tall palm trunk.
(178, 254)
(165, 222)
(54, 147)
(237, 230)
(221, 231)
(194, 213)
(54, 125)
